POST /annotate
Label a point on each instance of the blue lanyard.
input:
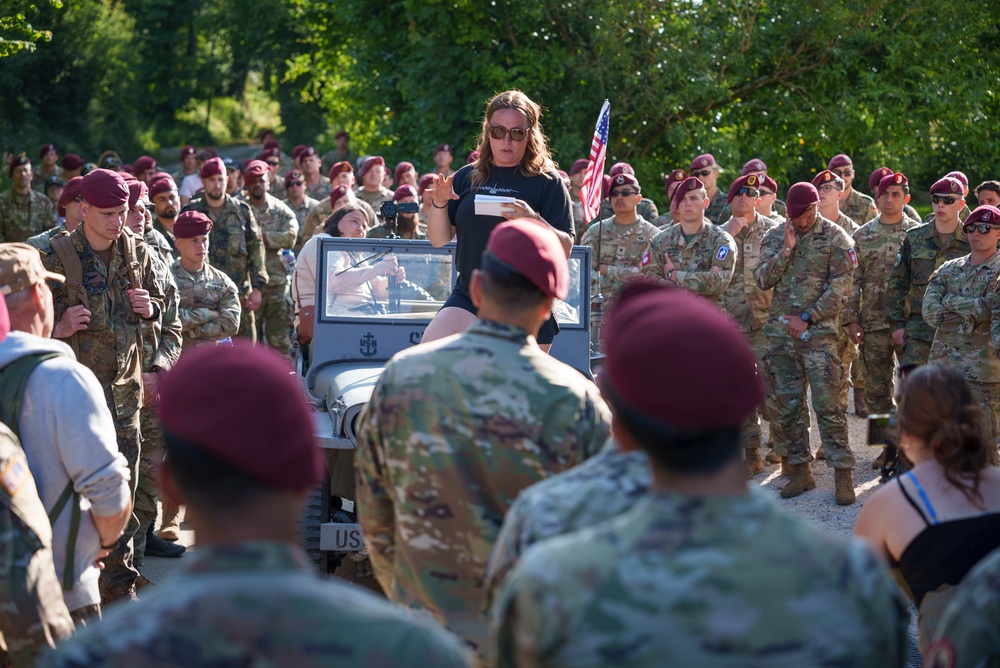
(923, 497)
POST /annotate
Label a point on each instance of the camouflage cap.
(242, 404)
(21, 267)
(898, 179)
(654, 329)
(532, 250)
(754, 166)
(192, 224)
(801, 197)
(752, 180)
(876, 177)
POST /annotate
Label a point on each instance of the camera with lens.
(390, 209)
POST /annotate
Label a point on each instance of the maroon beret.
(839, 160)
(675, 176)
(72, 161)
(605, 186)
(769, 183)
(269, 153)
(472, 157)
(876, 177)
(162, 184)
(687, 185)
(342, 133)
(948, 185)
(272, 145)
(69, 193)
(243, 405)
(578, 166)
(800, 198)
(144, 163)
(104, 189)
(137, 190)
(562, 174)
(297, 151)
(624, 178)
(405, 190)
(655, 332)
(984, 214)
(128, 168)
(188, 150)
(370, 162)
(751, 180)
(210, 152)
(45, 149)
(960, 176)
(264, 133)
(827, 177)
(442, 147)
(192, 224)
(255, 169)
(4, 319)
(702, 161)
(755, 166)
(15, 162)
(897, 179)
(212, 167)
(337, 193)
(339, 168)
(307, 152)
(294, 175)
(401, 169)
(620, 168)
(533, 251)
(425, 182)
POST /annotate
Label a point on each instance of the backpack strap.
(73, 270)
(132, 265)
(13, 380)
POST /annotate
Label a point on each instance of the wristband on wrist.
(110, 547)
(434, 204)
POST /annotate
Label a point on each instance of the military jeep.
(351, 344)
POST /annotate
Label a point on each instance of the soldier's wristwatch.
(806, 318)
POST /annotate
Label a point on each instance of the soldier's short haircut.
(993, 186)
(693, 453)
(205, 480)
(502, 284)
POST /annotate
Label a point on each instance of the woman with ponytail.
(935, 522)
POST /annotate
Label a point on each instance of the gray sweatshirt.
(67, 433)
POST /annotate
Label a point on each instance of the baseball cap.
(21, 267)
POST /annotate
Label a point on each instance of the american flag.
(593, 180)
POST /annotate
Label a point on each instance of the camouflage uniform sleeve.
(168, 351)
(934, 308)
(286, 231)
(651, 264)
(852, 311)
(596, 423)
(312, 222)
(899, 288)
(525, 620)
(47, 206)
(377, 515)
(840, 278)
(771, 263)
(230, 310)
(508, 546)
(713, 282)
(194, 318)
(881, 602)
(589, 239)
(969, 629)
(255, 250)
(149, 280)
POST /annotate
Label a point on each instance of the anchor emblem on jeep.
(369, 345)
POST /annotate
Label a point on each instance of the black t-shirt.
(546, 194)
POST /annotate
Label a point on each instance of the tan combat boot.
(844, 482)
(170, 524)
(860, 404)
(772, 457)
(754, 464)
(802, 481)
(821, 453)
(786, 468)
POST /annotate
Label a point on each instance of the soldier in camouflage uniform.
(646, 208)
(768, 207)
(603, 487)
(809, 261)
(855, 205)
(47, 168)
(618, 242)
(105, 332)
(831, 189)
(166, 205)
(250, 595)
(299, 202)
(407, 224)
(743, 299)
(461, 445)
(237, 246)
(280, 229)
(964, 180)
(670, 184)
(70, 210)
(209, 302)
(163, 336)
(701, 571)
(705, 254)
(968, 633)
(707, 171)
(339, 196)
(877, 242)
(874, 179)
(371, 173)
(23, 211)
(925, 248)
(959, 302)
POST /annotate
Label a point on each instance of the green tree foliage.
(16, 32)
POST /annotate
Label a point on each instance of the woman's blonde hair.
(537, 157)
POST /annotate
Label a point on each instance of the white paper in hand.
(492, 205)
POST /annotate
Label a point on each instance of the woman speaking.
(514, 162)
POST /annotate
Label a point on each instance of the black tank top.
(944, 552)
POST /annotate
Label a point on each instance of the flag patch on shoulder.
(851, 253)
(14, 477)
(645, 258)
